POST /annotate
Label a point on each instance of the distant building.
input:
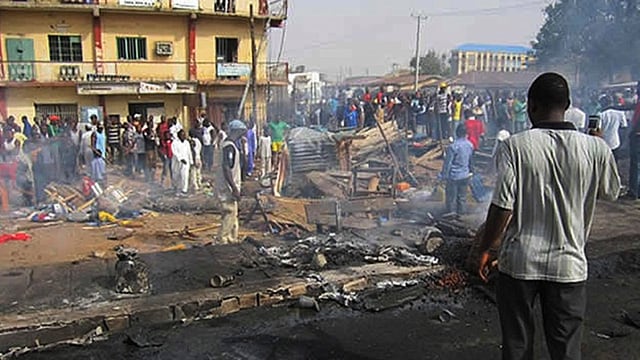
(307, 86)
(490, 58)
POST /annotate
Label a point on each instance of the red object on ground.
(14, 237)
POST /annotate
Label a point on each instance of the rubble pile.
(341, 251)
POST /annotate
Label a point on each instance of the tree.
(597, 37)
(432, 63)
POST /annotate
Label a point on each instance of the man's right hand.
(484, 266)
(596, 132)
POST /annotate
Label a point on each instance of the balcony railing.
(262, 8)
(128, 71)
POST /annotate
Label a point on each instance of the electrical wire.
(473, 12)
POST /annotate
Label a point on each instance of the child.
(99, 169)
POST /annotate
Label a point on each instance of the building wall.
(208, 29)
(154, 28)
(468, 61)
(119, 104)
(21, 101)
(38, 26)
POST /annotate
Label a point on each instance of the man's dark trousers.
(563, 308)
(634, 156)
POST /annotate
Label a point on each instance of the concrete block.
(248, 301)
(49, 334)
(268, 300)
(160, 315)
(190, 309)
(116, 323)
(355, 285)
(228, 306)
(207, 306)
(178, 314)
(296, 290)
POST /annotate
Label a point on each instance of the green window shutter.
(20, 55)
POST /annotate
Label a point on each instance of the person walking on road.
(541, 213)
(228, 182)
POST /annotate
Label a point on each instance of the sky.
(366, 37)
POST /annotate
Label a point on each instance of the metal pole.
(418, 17)
(254, 53)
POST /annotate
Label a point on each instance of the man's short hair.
(550, 90)
(461, 131)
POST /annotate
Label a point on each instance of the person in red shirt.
(367, 96)
(475, 127)
(164, 136)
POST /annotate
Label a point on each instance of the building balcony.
(28, 73)
(274, 10)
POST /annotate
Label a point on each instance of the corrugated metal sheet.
(311, 150)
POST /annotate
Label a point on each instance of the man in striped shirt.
(542, 209)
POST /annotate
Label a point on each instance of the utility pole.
(419, 18)
(254, 54)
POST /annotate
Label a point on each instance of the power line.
(473, 12)
(487, 11)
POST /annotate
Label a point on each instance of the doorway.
(146, 109)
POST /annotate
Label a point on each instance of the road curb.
(60, 325)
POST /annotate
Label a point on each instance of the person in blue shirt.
(457, 171)
(351, 116)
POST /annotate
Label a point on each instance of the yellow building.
(72, 58)
(489, 58)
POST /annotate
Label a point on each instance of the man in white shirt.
(541, 214)
(611, 121)
(182, 161)
(175, 128)
(208, 136)
(196, 167)
(577, 117)
(264, 150)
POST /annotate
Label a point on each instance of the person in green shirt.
(520, 114)
(278, 129)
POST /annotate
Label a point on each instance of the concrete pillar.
(3, 103)
(98, 55)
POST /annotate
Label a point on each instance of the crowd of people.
(49, 149)
(496, 114)
(160, 153)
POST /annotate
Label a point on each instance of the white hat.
(237, 125)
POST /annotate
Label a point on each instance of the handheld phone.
(594, 122)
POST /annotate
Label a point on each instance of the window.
(64, 48)
(64, 111)
(225, 6)
(132, 48)
(227, 50)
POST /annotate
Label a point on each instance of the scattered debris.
(220, 281)
(319, 261)
(445, 316)
(132, 274)
(20, 236)
(388, 284)
(307, 302)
